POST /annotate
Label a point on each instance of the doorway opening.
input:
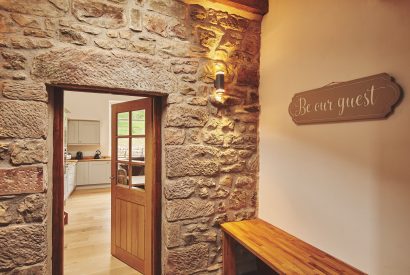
(106, 181)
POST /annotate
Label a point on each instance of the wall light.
(219, 85)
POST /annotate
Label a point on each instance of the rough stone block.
(102, 69)
(226, 181)
(173, 235)
(243, 181)
(21, 180)
(186, 116)
(220, 193)
(104, 44)
(188, 209)
(200, 237)
(156, 23)
(207, 38)
(136, 20)
(72, 36)
(74, 25)
(207, 182)
(61, 4)
(229, 156)
(30, 208)
(214, 137)
(191, 161)
(188, 259)
(28, 152)
(234, 22)
(140, 46)
(39, 7)
(168, 7)
(30, 43)
(22, 245)
(25, 90)
(234, 168)
(38, 33)
(14, 60)
(38, 269)
(248, 76)
(197, 12)
(185, 67)
(100, 14)
(179, 189)
(253, 163)
(23, 119)
(200, 101)
(174, 136)
(25, 21)
(238, 199)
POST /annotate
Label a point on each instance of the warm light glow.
(220, 91)
(219, 97)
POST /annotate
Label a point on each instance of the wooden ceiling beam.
(254, 6)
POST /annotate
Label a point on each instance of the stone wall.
(151, 46)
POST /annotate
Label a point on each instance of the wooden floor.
(87, 239)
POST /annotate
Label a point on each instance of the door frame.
(56, 93)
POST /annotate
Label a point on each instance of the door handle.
(113, 177)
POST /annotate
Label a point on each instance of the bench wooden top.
(283, 252)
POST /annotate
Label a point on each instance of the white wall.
(91, 106)
(344, 187)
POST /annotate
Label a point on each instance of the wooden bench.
(280, 252)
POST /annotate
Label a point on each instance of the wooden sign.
(372, 97)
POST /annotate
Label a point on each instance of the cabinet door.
(72, 132)
(82, 177)
(65, 186)
(100, 172)
(88, 132)
(71, 178)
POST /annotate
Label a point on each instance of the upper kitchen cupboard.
(83, 132)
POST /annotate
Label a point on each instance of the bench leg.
(228, 258)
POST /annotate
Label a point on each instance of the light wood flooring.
(87, 237)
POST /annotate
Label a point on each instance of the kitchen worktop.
(89, 159)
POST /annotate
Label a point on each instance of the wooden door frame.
(57, 92)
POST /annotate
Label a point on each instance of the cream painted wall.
(90, 106)
(344, 187)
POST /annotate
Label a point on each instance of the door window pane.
(138, 122)
(138, 176)
(123, 124)
(122, 174)
(138, 149)
(123, 149)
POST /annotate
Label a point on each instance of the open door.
(132, 171)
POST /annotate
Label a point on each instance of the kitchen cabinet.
(99, 172)
(93, 172)
(72, 132)
(82, 174)
(83, 132)
(69, 179)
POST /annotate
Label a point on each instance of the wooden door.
(132, 183)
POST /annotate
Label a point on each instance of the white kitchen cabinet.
(93, 172)
(88, 132)
(82, 173)
(99, 172)
(83, 132)
(69, 179)
(72, 132)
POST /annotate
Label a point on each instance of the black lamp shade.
(220, 81)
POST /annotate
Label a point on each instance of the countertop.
(89, 159)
